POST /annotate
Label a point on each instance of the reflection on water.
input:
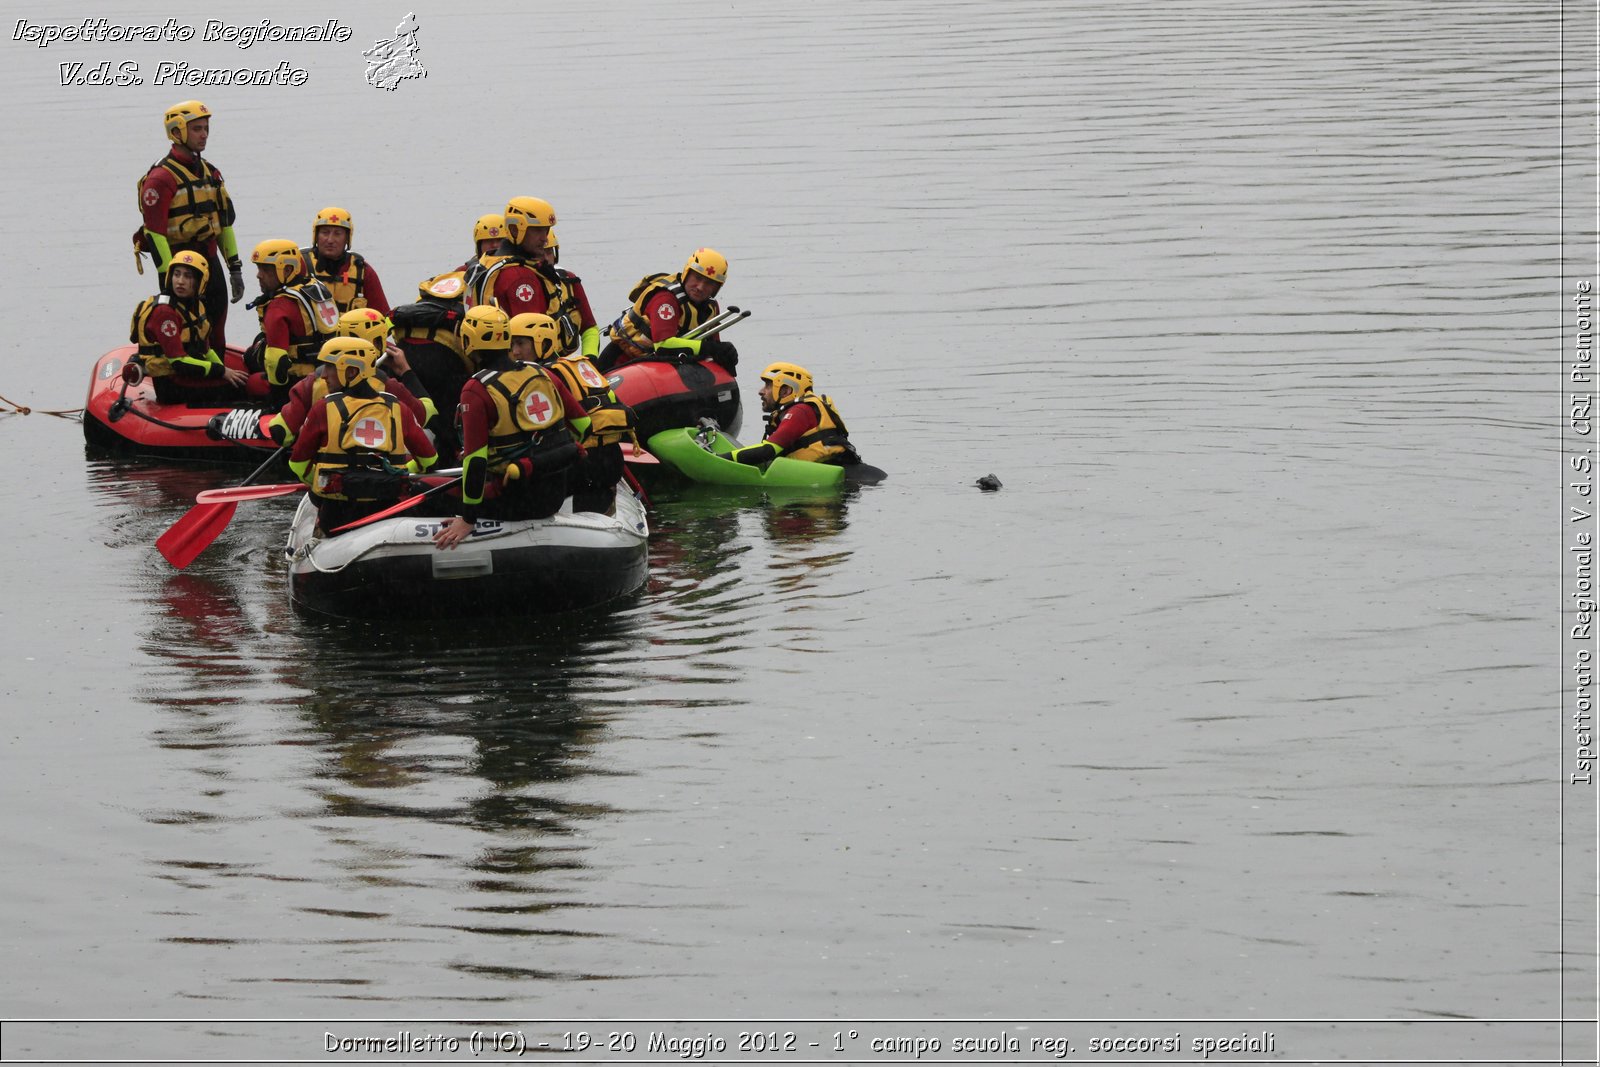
(466, 766)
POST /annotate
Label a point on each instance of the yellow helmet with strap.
(352, 359)
(709, 264)
(335, 216)
(485, 329)
(542, 330)
(283, 257)
(527, 212)
(195, 262)
(791, 375)
(179, 116)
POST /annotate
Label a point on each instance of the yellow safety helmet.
(195, 262)
(554, 246)
(525, 212)
(543, 330)
(709, 264)
(283, 256)
(334, 216)
(352, 358)
(488, 228)
(485, 328)
(792, 375)
(369, 324)
(178, 117)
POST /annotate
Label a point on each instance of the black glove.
(720, 352)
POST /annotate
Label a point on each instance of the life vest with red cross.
(364, 432)
(526, 408)
(318, 317)
(610, 420)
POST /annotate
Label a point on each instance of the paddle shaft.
(395, 509)
(719, 322)
(412, 501)
(259, 471)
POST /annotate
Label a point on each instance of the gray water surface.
(1239, 703)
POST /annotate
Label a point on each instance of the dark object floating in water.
(988, 483)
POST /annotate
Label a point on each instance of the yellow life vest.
(560, 302)
(319, 316)
(525, 407)
(633, 328)
(346, 277)
(611, 421)
(200, 208)
(479, 279)
(194, 336)
(827, 441)
(363, 432)
(320, 388)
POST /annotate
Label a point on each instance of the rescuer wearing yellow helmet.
(487, 233)
(395, 377)
(173, 335)
(512, 276)
(347, 274)
(519, 426)
(595, 476)
(355, 446)
(801, 423)
(297, 314)
(667, 306)
(186, 207)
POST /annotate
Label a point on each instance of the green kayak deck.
(679, 449)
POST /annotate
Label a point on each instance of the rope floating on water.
(23, 409)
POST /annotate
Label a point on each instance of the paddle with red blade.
(235, 494)
(633, 452)
(204, 523)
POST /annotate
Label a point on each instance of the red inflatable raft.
(125, 415)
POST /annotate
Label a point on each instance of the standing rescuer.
(186, 208)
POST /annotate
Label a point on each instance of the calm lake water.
(1237, 710)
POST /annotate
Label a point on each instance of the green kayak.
(679, 449)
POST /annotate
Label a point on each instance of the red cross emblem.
(169, 329)
(525, 293)
(445, 287)
(370, 432)
(150, 197)
(537, 407)
(328, 312)
(590, 376)
(666, 312)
